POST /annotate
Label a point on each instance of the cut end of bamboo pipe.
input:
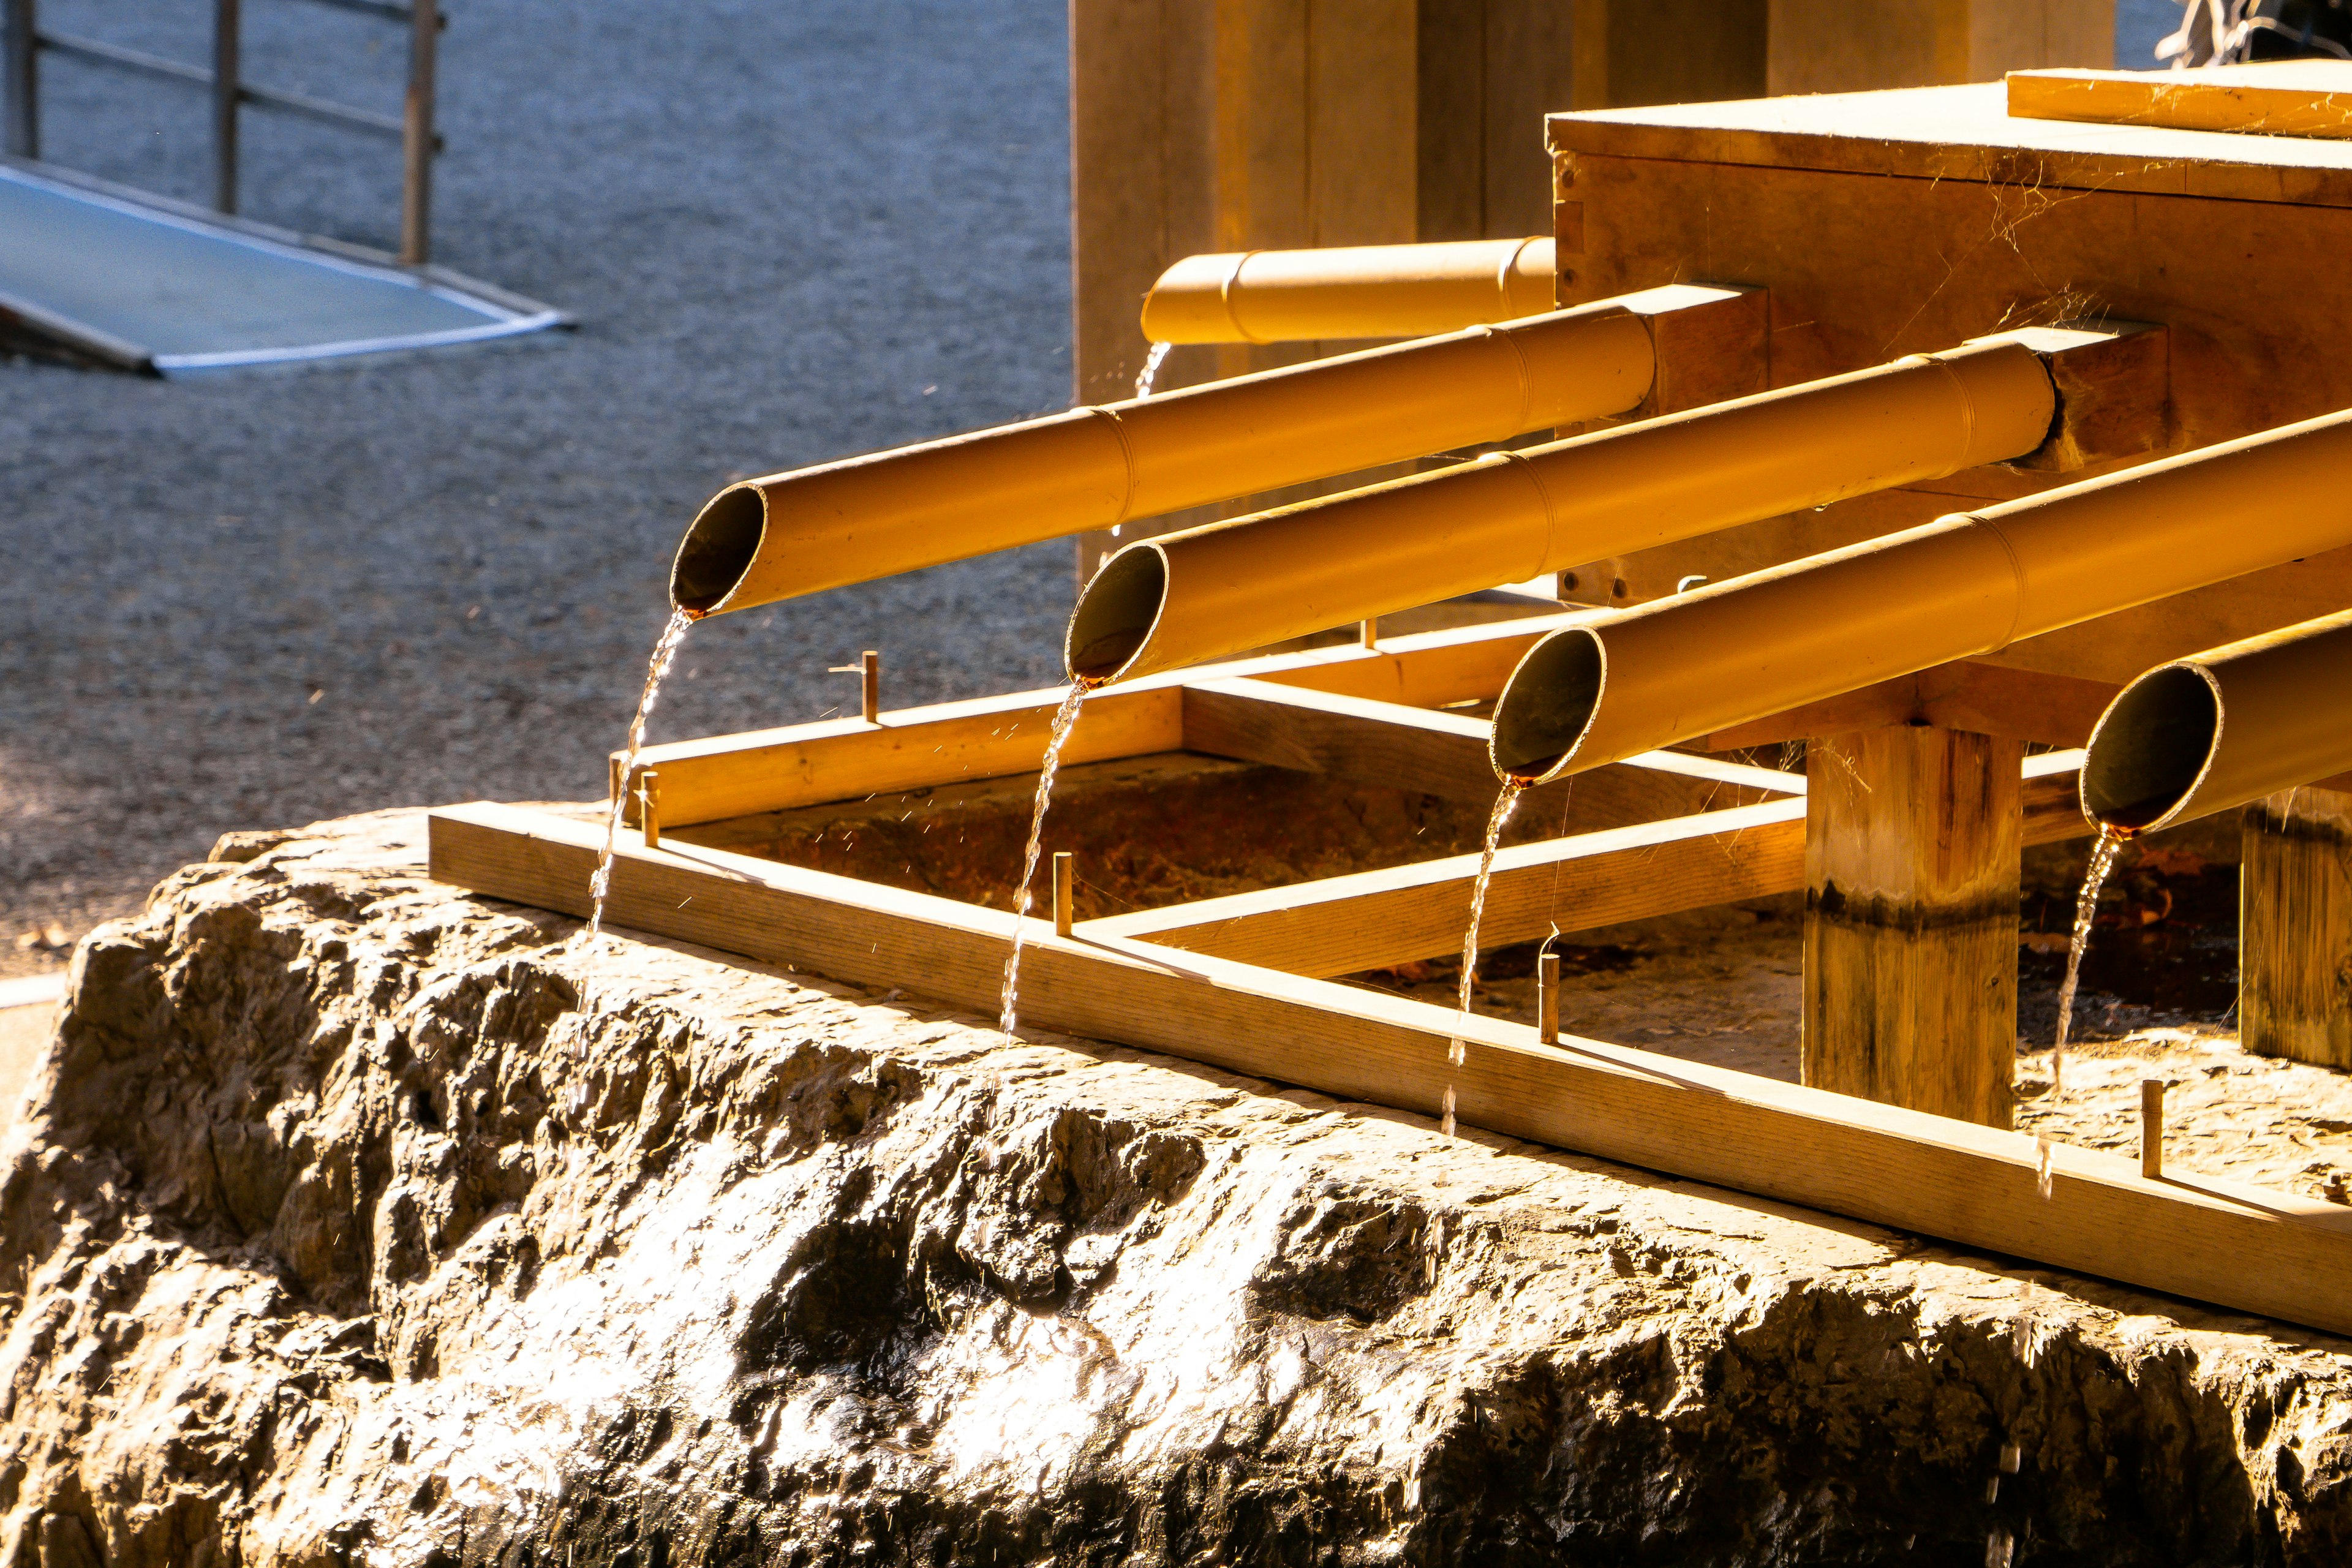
(1548, 705)
(2152, 748)
(1116, 613)
(718, 550)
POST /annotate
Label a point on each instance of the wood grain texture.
(2295, 927)
(2306, 97)
(1912, 837)
(1987, 699)
(1964, 134)
(2248, 1249)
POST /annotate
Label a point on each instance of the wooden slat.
(1341, 925)
(913, 748)
(2245, 1247)
(1445, 754)
(1966, 134)
(1983, 699)
(2302, 97)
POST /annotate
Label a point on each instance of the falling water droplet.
(1150, 373)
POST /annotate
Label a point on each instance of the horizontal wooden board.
(991, 737)
(2287, 98)
(2248, 1249)
(1961, 133)
(1342, 925)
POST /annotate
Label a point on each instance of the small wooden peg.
(868, 669)
(1547, 998)
(1062, 892)
(2151, 1127)
(1369, 633)
(649, 806)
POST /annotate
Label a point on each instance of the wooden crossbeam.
(2248, 1249)
(991, 737)
(1342, 925)
(1442, 753)
(1969, 694)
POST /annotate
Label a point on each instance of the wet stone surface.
(355, 1221)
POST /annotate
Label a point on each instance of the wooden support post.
(2151, 1127)
(649, 806)
(868, 670)
(2295, 927)
(1912, 836)
(1368, 634)
(1064, 892)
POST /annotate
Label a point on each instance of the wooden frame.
(1237, 983)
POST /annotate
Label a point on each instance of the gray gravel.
(790, 232)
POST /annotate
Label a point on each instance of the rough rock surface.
(355, 1221)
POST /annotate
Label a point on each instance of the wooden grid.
(1238, 982)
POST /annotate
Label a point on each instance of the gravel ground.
(790, 232)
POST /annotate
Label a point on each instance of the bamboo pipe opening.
(1548, 705)
(1115, 613)
(717, 549)
(2152, 748)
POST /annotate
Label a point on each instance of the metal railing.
(20, 75)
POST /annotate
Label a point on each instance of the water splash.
(1507, 801)
(600, 886)
(1064, 721)
(1150, 373)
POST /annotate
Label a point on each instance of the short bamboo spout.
(1349, 292)
(1971, 583)
(1207, 592)
(864, 518)
(2224, 727)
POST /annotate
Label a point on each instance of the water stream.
(2086, 909)
(1507, 801)
(1064, 721)
(1150, 373)
(665, 652)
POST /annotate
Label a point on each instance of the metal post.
(417, 138)
(23, 87)
(228, 85)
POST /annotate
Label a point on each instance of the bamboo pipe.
(863, 518)
(1203, 593)
(1350, 291)
(2223, 727)
(1974, 582)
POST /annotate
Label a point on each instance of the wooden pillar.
(1912, 836)
(2295, 928)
